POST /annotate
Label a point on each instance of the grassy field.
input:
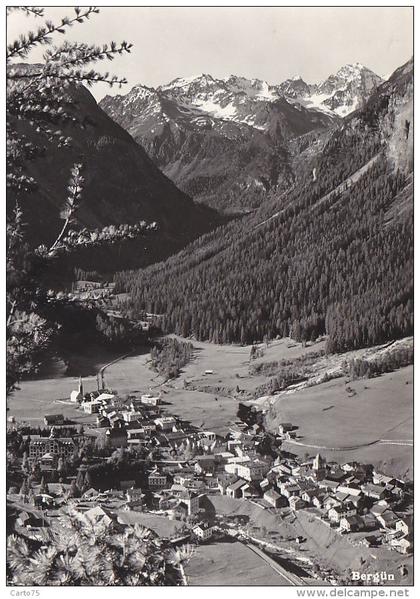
(230, 363)
(132, 375)
(50, 394)
(329, 415)
(229, 368)
(161, 525)
(34, 399)
(209, 566)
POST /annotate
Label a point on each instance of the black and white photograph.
(209, 299)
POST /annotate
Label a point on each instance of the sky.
(271, 43)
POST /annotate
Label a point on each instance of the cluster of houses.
(188, 465)
(351, 497)
(109, 411)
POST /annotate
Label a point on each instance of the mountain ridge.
(227, 142)
(122, 185)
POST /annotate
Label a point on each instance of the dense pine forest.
(334, 255)
(335, 267)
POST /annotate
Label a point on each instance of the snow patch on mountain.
(341, 93)
(316, 101)
(248, 101)
(215, 109)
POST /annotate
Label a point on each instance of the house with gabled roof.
(351, 523)
(379, 478)
(274, 498)
(329, 485)
(101, 517)
(285, 427)
(224, 480)
(349, 489)
(203, 530)
(265, 484)
(330, 501)
(402, 544)
(336, 513)
(405, 524)
(309, 495)
(235, 489)
(190, 500)
(387, 519)
(297, 503)
(204, 464)
(289, 488)
(255, 469)
(318, 499)
(373, 491)
(378, 508)
(251, 489)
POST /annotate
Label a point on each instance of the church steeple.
(318, 463)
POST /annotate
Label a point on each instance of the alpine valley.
(210, 317)
(332, 253)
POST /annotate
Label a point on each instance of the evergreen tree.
(80, 554)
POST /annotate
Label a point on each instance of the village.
(140, 464)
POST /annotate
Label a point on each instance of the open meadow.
(370, 420)
(208, 567)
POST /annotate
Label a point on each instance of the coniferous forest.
(338, 268)
(332, 256)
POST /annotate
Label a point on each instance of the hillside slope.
(329, 255)
(122, 186)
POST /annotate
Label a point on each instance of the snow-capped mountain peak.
(248, 100)
(341, 93)
(184, 83)
(141, 92)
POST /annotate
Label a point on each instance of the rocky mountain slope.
(122, 186)
(341, 93)
(222, 145)
(331, 255)
(226, 141)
